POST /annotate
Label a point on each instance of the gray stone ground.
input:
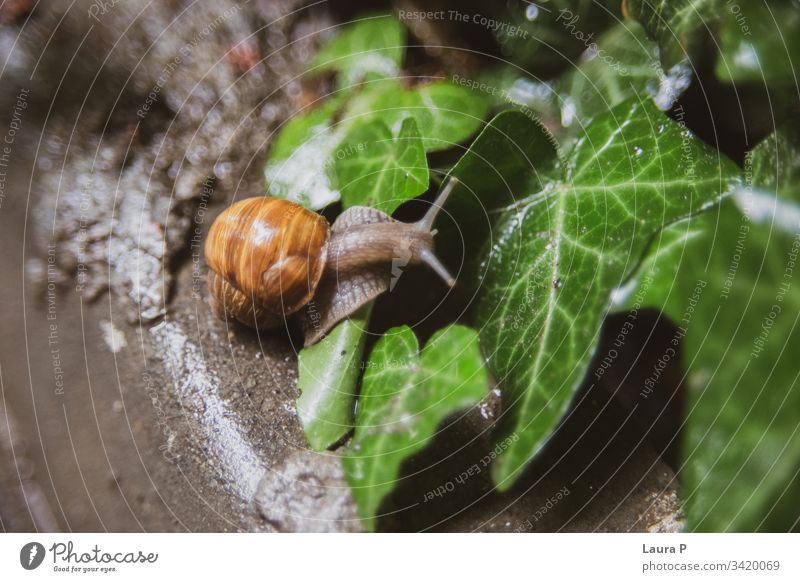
(126, 405)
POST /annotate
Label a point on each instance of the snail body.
(270, 258)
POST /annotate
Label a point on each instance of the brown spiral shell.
(266, 257)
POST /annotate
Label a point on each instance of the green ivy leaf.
(760, 43)
(512, 152)
(447, 114)
(306, 126)
(328, 377)
(622, 64)
(371, 47)
(301, 163)
(405, 396)
(728, 283)
(675, 24)
(380, 170)
(562, 250)
(774, 164)
(549, 36)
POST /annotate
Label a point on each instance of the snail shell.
(266, 257)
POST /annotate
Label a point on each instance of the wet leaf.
(375, 168)
(729, 283)
(675, 24)
(559, 252)
(298, 169)
(406, 395)
(373, 46)
(622, 64)
(447, 114)
(305, 126)
(512, 152)
(775, 165)
(510, 89)
(302, 155)
(760, 43)
(328, 377)
(301, 163)
(549, 36)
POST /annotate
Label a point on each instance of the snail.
(270, 258)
